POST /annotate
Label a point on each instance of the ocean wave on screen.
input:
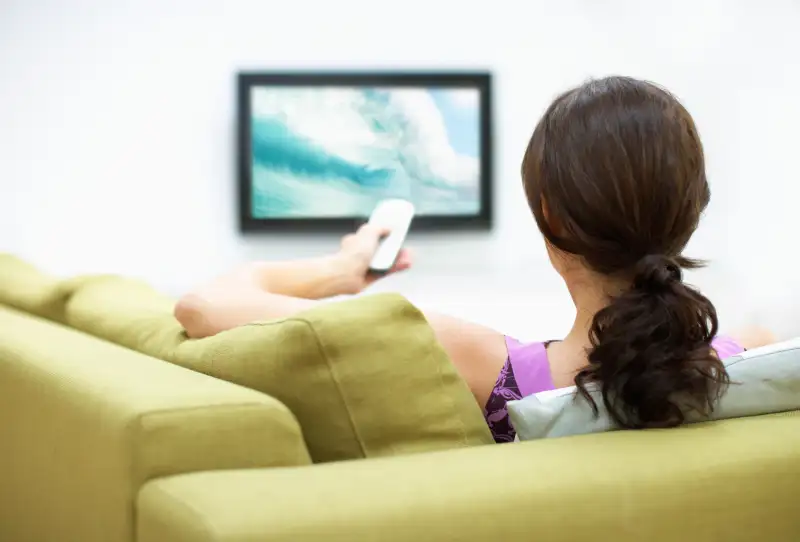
(337, 152)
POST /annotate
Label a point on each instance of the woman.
(615, 177)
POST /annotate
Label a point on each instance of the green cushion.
(26, 288)
(365, 377)
(127, 312)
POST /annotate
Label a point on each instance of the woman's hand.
(357, 250)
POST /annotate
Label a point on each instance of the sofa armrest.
(736, 480)
(85, 423)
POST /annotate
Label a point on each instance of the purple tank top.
(527, 371)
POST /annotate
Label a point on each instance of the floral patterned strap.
(496, 411)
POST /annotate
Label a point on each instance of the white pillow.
(763, 381)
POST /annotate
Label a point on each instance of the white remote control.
(396, 216)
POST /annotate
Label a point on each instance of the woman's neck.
(568, 356)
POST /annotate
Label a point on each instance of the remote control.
(396, 216)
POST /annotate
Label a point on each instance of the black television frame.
(480, 80)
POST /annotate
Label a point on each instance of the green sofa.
(346, 423)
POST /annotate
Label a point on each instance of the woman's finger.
(404, 260)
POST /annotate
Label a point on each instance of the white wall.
(116, 133)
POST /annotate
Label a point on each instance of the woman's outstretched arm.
(263, 291)
(259, 291)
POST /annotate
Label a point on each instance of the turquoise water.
(338, 155)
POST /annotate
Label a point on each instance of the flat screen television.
(320, 150)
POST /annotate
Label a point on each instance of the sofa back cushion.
(365, 377)
(28, 289)
(127, 312)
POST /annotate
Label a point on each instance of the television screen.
(326, 148)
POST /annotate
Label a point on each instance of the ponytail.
(651, 349)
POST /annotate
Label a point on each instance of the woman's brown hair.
(615, 175)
